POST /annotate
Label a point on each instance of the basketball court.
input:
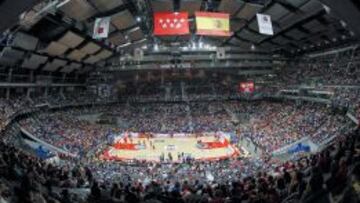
(151, 149)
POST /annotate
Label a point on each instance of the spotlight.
(201, 45)
(253, 47)
(193, 47)
(327, 9)
(156, 47)
(343, 23)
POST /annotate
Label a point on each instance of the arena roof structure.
(56, 35)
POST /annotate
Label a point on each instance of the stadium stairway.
(183, 92)
(231, 113)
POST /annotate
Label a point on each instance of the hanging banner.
(171, 23)
(264, 23)
(214, 24)
(101, 28)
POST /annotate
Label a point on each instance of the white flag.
(138, 54)
(265, 25)
(101, 28)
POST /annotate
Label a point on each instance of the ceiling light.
(343, 23)
(201, 44)
(156, 47)
(193, 47)
(138, 19)
(62, 3)
(124, 45)
(253, 47)
(327, 9)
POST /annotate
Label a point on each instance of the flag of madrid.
(171, 23)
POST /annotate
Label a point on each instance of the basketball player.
(170, 157)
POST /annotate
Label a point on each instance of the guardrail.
(47, 145)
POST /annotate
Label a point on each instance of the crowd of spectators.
(265, 126)
(332, 175)
(278, 124)
(66, 131)
(25, 178)
(8, 108)
(332, 69)
(349, 97)
(186, 89)
(22, 104)
(316, 178)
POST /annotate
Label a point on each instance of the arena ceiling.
(56, 35)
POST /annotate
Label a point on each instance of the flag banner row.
(207, 23)
(177, 23)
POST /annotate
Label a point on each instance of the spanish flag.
(215, 24)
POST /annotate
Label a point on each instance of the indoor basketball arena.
(179, 101)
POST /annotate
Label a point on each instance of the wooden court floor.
(174, 146)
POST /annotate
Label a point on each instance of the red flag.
(247, 87)
(168, 23)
